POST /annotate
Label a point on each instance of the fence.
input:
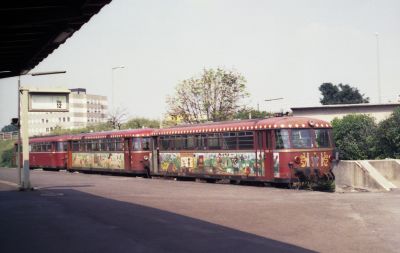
(9, 135)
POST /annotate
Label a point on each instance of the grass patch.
(6, 152)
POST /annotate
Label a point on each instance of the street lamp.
(272, 99)
(24, 182)
(378, 71)
(112, 84)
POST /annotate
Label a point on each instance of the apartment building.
(84, 109)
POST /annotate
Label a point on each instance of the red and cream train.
(275, 150)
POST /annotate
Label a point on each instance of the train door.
(154, 156)
(260, 161)
(268, 155)
(69, 155)
(127, 154)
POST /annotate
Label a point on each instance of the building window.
(63, 119)
(47, 121)
(68, 119)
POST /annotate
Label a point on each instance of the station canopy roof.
(30, 30)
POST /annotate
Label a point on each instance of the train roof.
(50, 138)
(243, 125)
(142, 132)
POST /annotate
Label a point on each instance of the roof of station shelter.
(30, 30)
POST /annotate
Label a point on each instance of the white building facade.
(84, 109)
(329, 112)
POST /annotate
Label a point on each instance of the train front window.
(136, 144)
(322, 138)
(145, 143)
(301, 138)
(282, 139)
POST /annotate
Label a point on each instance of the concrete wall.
(390, 169)
(349, 174)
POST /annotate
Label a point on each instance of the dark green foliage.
(341, 94)
(388, 136)
(9, 128)
(355, 137)
(6, 153)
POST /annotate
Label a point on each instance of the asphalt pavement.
(74, 212)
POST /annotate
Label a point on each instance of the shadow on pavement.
(66, 220)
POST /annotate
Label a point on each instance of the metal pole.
(112, 90)
(378, 71)
(18, 158)
(112, 84)
(25, 184)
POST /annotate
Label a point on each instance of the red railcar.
(125, 151)
(49, 152)
(279, 150)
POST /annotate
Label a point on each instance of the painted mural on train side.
(244, 164)
(98, 160)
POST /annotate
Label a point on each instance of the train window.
(322, 138)
(136, 144)
(245, 140)
(301, 138)
(75, 146)
(191, 141)
(180, 142)
(229, 141)
(119, 145)
(89, 146)
(82, 146)
(61, 146)
(282, 139)
(268, 139)
(95, 145)
(213, 141)
(145, 143)
(163, 143)
(103, 145)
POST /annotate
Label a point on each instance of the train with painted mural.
(274, 150)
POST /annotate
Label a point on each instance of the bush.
(388, 135)
(6, 153)
(355, 137)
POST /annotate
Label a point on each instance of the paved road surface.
(96, 213)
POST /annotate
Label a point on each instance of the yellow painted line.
(9, 183)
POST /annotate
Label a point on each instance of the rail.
(9, 135)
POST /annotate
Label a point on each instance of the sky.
(284, 48)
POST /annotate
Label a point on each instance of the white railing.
(9, 135)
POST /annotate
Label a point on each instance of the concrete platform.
(367, 175)
(73, 212)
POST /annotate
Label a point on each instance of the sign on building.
(48, 101)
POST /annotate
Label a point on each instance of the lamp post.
(378, 71)
(272, 99)
(23, 132)
(112, 84)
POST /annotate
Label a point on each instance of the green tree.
(355, 137)
(214, 96)
(141, 122)
(9, 128)
(341, 94)
(388, 135)
(245, 113)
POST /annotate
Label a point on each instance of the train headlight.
(297, 159)
(146, 158)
